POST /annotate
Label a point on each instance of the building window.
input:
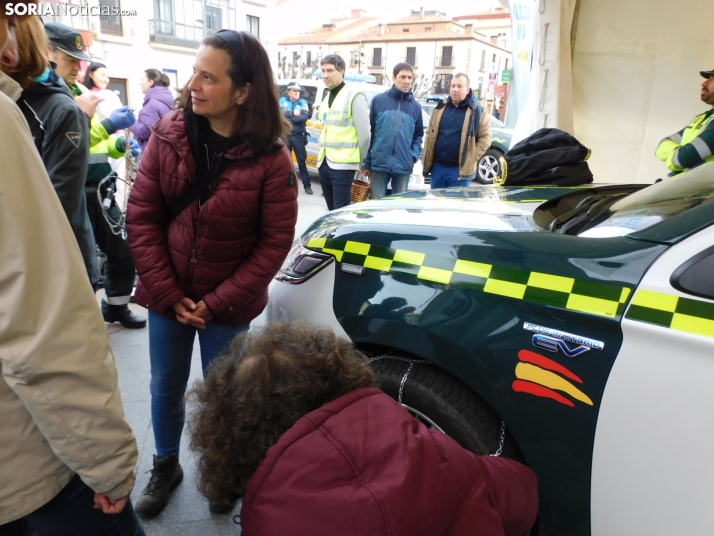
(377, 57)
(110, 24)
(213, 17)
(446, 56)
(63, 13)
(252, 25)
(411, 56)
(405, 29)
(483, 60)
(186, 23)
(164, 14)
(443, 85)
(428, 29)
(379, 78)
(308, 58)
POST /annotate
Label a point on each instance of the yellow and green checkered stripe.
(673, 312)
(548, 289)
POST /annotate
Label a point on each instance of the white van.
(313, 91)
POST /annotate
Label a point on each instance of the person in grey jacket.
(60, 130)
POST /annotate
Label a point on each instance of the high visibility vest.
(102, 147)
(339, 141)
(667, 148)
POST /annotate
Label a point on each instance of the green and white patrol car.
(572, 328)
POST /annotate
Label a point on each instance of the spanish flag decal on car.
(540, 376)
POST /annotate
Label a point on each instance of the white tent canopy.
(620, 75)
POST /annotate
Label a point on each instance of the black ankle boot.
(216, 507)
(123, 315)
(165, 476)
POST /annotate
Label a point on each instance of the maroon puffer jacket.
(362, 465)
(227, 252)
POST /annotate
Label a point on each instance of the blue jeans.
(72, 513)
(170, 349)
(378, 181)
(336, 185)
(443, 177)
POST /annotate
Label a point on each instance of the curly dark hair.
(257, 390)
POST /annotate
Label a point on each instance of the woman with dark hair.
(157, 101)
(211, 218)
(290, 421)
(97, 79)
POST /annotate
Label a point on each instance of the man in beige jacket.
(459, 134)
(67, 455)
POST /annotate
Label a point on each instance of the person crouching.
(290, 420)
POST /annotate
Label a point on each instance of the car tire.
(489, 167)
(444, 402)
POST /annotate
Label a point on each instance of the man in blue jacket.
(397, 131)
(297, 111)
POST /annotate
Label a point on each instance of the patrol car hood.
(487, 208)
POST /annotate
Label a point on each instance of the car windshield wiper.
(584, 213)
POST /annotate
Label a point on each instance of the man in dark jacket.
(397, 131)
(335, 455)
(459, 135)
(60, 131)
(67, 50)
(297, 111)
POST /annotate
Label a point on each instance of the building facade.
(435, 46)
(158, 34)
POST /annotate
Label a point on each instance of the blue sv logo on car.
(553, 345)
(554, 340)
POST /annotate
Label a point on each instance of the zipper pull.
(194, 260)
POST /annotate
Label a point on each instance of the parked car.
(572, 328)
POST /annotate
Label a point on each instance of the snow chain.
(413, 362)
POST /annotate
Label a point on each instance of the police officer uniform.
(298, 113)
(104, 214)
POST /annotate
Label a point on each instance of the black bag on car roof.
(548, 156)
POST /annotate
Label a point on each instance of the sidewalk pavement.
(187, 512)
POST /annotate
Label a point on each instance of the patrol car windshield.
(618, 210)
(656, 203)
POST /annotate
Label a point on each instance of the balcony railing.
(445, 62)
(111, 25)
(174, 33)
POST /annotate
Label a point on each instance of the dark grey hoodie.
(61, 133)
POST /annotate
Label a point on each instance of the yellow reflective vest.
(339, 141)
(691, 146)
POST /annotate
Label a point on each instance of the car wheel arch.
(416, 379)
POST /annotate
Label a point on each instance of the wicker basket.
(360, 189)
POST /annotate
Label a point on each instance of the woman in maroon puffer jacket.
(211, 218)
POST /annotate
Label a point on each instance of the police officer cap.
(293, 85)
(67, 39)
(707, 74)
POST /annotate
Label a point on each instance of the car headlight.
(301, 264)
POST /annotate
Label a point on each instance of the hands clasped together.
(194, 314)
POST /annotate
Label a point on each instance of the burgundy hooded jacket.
(225, 253)
(361, 465)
